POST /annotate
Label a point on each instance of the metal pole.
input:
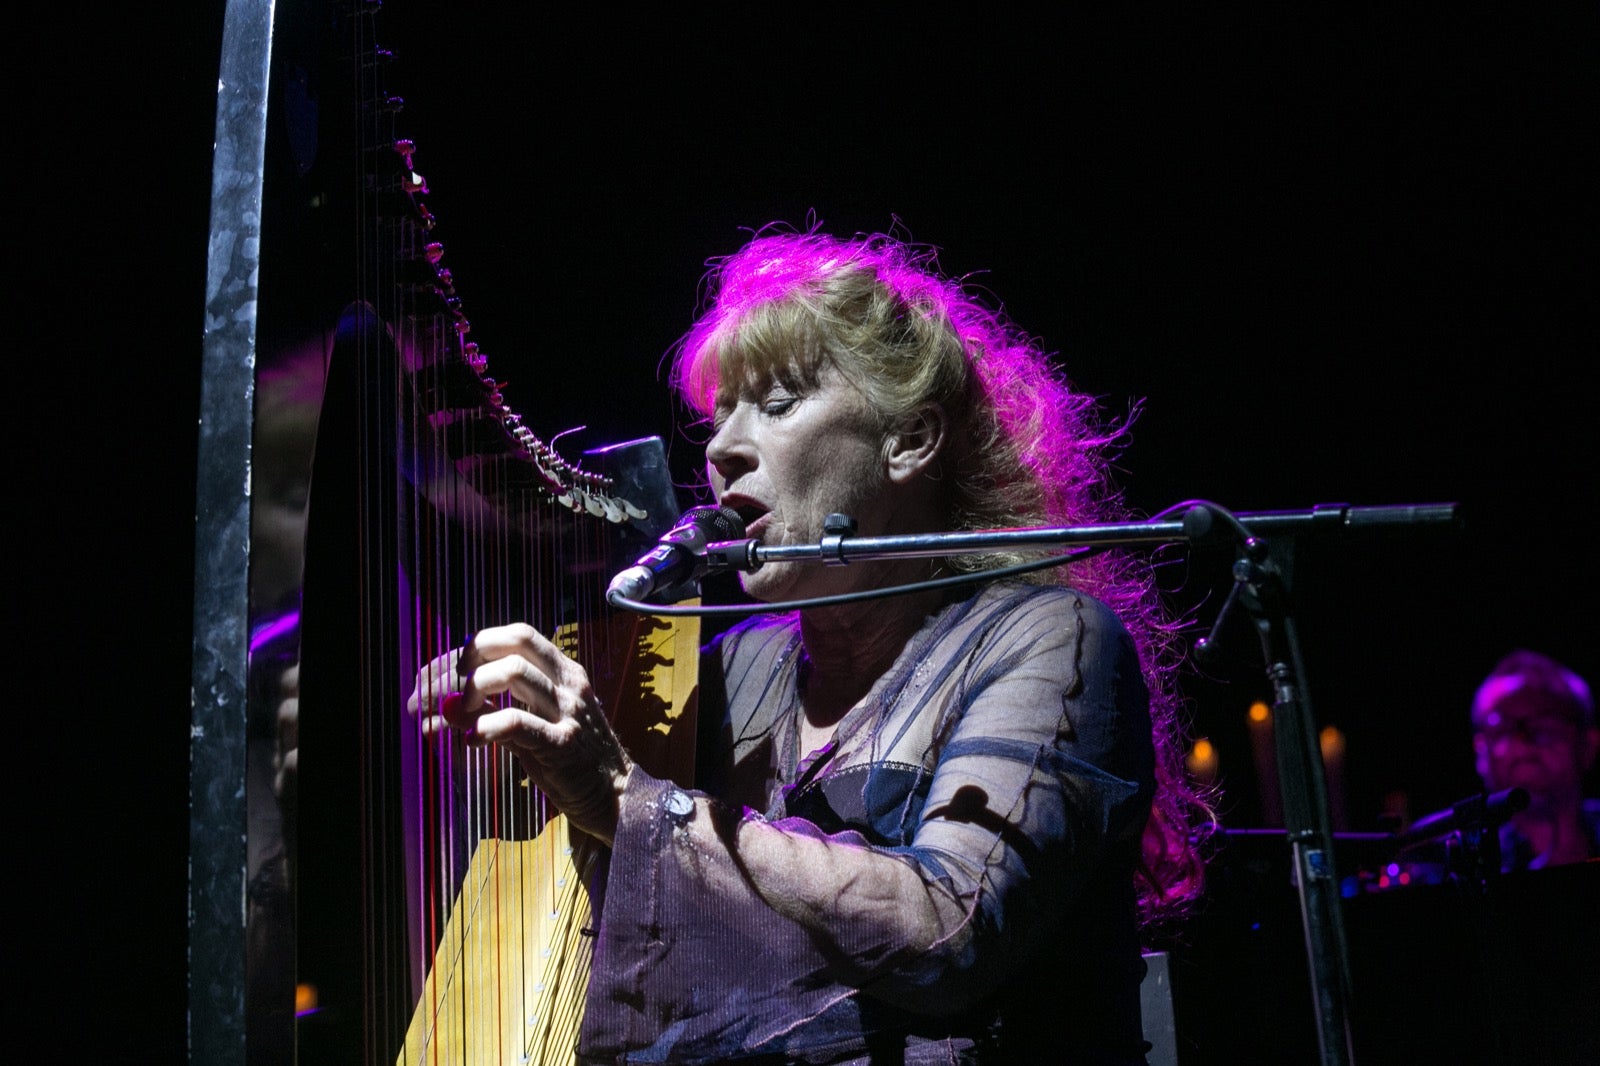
(218, 861)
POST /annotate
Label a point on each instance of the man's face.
(1527, 740)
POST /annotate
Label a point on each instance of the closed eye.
(776, 402)
(778, 406)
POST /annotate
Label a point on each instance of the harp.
(425, 904)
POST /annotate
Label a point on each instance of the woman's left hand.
(559, 733)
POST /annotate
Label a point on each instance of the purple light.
(275, 628)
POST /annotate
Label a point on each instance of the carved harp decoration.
(439, 910)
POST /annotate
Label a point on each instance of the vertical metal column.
(218, 865)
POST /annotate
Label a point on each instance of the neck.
(852, 645)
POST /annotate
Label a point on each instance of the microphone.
(680, 555)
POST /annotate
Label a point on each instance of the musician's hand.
(555, 726)
(286, 759)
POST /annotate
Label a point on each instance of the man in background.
(1534, 729)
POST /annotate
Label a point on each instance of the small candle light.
(1202, 761)
(1331, 741)
(1266, 759)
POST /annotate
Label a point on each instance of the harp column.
(217, 813)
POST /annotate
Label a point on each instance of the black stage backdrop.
(1341, 259)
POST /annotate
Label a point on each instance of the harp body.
(440, 909)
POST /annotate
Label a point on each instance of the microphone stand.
(1263, 571)
(1263, 579)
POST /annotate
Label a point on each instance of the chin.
(1531, 781)
(767, 586)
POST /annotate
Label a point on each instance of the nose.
(730, 452)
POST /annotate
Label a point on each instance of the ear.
(912, 450)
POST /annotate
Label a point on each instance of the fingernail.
(451, 708)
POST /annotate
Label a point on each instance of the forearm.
(877, 918)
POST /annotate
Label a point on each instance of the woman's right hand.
(511, 686)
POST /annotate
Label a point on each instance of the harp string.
(488, 842)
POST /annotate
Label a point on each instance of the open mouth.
(752, 514)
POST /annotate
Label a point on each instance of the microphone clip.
(725, 555)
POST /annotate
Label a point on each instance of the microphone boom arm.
(1199, 523)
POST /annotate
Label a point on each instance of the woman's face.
(787, 457)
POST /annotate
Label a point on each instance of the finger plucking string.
(453, 709)
(463, 667)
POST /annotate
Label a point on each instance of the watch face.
(679, 805)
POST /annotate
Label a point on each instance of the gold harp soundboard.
(407, 901)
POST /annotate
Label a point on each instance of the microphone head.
(679, 559)
(716, 523)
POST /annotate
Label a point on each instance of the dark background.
(1339, 260)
